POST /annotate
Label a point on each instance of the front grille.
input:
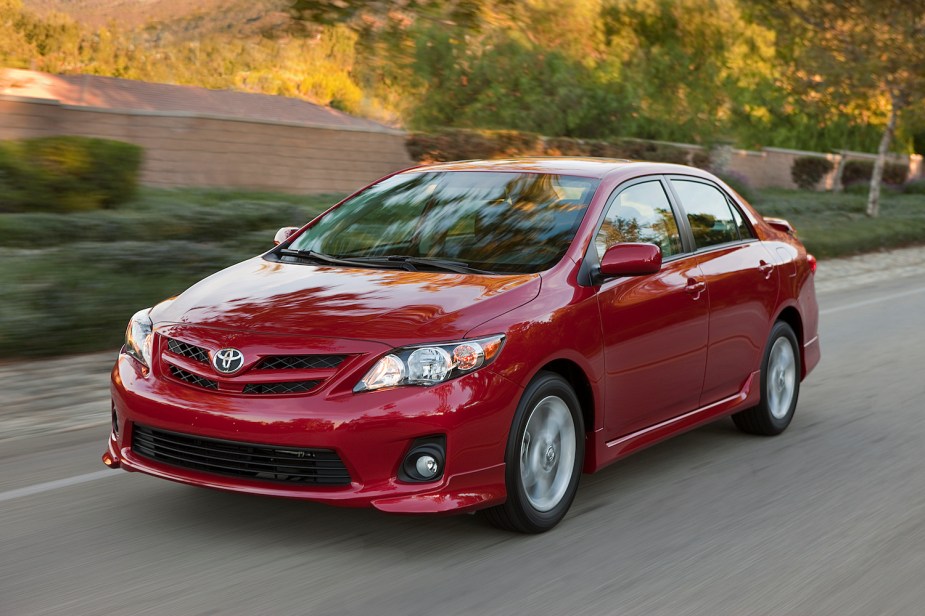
(192, 379)
(294, 387)
(262, 462)
(300, 362)
(188, 350)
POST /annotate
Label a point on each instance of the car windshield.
(499, 222)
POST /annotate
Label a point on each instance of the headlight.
(430, 364)
(139, 337)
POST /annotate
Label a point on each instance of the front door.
(654, 326)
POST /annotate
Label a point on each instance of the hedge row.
(459, 144)
(857, 171)
(171, 220)
(67, 174)
(806, 171)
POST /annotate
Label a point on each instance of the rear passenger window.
(708, 212)
(745, 231)
(640, 213)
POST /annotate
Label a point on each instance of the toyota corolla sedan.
(473, 336)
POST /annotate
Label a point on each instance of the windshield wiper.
(451, 266)
(320, 257)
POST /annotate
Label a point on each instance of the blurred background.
(147, 144)
(137, 134)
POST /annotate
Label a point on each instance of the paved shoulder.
(861, 270)
(48, 395)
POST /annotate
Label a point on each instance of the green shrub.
(460, 144)
(857, 171)
(651, 151)
(449, 145)
(161, 215)
(915, 187)
(808, 170)
(67, 174)
(701, 159)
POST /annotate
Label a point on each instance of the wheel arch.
(791, 316)
(579, 381)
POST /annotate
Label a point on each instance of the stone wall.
(196, 150)
(770, 167)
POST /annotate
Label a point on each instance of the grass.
(835, 225)
(71, 281)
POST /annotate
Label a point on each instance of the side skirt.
(611, 451)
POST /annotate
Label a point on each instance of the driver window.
(640, 213)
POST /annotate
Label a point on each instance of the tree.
(859, 52)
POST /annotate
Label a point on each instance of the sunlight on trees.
(808, 74)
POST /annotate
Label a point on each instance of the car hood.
(391, 306)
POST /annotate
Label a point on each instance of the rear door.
(742, 284)
(654, 326)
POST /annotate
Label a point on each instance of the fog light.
(424, 461)
(426, 466)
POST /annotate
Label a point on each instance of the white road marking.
(58, 483)
(869, 302)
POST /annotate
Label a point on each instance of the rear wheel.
(780, 385)
(544, 454)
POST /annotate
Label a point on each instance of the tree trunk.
(837, 185)
(876, 178)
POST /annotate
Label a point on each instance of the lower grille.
(262, 462)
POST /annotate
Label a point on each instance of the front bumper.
(371, 432)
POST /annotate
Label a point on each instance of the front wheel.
(780, 385)
(544, 454)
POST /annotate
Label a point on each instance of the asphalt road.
(828, 518)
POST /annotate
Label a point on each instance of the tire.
(780, 385)
(544, 456)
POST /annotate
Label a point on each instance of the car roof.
(587, 167)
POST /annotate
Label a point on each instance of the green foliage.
(807, 171)
(67, 174)
(915, 187)
(461, 144)
(702, 159)
(166, 216)
(670, 70)
(859, 172)
(835, 224)
(78, 277)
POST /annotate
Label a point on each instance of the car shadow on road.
(615, 494)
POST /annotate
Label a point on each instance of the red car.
(472, 336)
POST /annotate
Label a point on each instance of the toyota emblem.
(228, 361)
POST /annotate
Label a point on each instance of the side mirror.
(631, 260)
(283, 234)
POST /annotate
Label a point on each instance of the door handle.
(695, 287)
(765, 268)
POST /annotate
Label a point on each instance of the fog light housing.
(115, 422)
(424, 461)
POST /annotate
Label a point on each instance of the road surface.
(828, 518)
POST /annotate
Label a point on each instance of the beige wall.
(770, 167)
(185, 150)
